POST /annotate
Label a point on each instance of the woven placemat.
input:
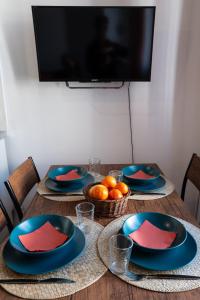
(153, 284)
(167, 189)
(41, 189)
(85, 270)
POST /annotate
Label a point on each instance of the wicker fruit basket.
(107, 208)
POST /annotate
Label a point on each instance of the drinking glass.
(120, 247)
(85, 211)
(94, 167)
(117, 174)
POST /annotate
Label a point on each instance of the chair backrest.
(20, 182)
(4, 218)
(192, 174)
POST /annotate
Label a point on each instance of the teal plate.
(63, 170)
(70, 188)
(167, 260)
(162, 221)
(24, 264)
(130, 170)
(61, 223)
(147, 187)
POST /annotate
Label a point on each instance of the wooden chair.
(20, 182)
(4, 218)
(192, 174)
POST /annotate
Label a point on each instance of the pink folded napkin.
(68, 176)
(150, 236)
(141, 175)
(45, 238)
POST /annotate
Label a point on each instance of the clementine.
(98, 191)
(115, 194)
(109, 181)
(123, 187)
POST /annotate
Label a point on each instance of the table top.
(109, 286)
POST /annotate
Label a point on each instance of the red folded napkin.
(69, 175)
(141, 175)
(45, 238)
(150, 236)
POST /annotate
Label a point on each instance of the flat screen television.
(95, 43)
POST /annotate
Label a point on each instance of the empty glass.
(85, 211)
(94, 167)
(120, 248)
(117, 174)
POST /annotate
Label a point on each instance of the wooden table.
(109, 286)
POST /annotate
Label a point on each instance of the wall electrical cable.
(130, 123)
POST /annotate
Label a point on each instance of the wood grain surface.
(109, 286)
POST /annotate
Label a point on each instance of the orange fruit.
(123, 187)
(115, 194)
(98, 191)
(109, 181)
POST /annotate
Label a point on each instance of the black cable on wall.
(130, 123)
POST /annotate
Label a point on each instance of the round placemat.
(167, 189)
(85, 270)
(155, 284)
(41, 189)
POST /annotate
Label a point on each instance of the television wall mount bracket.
(95, 87)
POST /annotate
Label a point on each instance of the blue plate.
(24, 264)
(162, 221)
(130, 170)
(167, 260)
(63, 170)
(73, 187)
(63, 224)
(148, 187)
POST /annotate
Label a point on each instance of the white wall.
(3, 173)
(186, 106)
(2, 111)
(152, 104)
(58, 125)
(166, 119)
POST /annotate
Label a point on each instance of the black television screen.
(94, 43)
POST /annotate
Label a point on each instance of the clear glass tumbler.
(117, 174)
(85, 211)
(120, 247)
(94, 165)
